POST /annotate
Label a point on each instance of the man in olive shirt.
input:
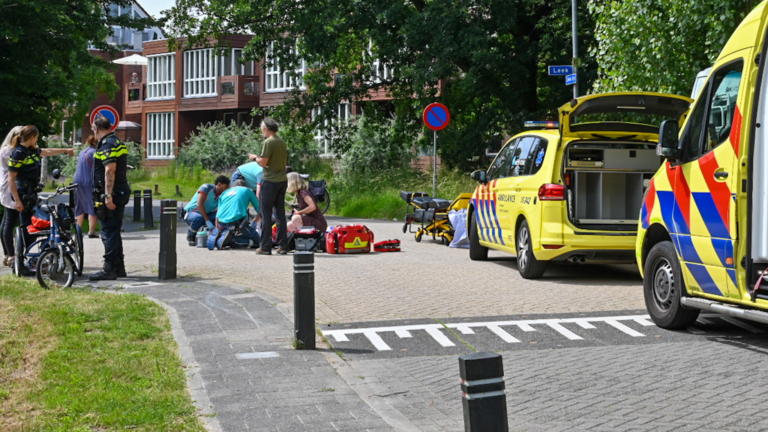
(273, 159)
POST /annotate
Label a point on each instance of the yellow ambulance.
(572, 192)
(702, 239)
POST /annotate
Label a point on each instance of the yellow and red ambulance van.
(702, 240)
(572, 192)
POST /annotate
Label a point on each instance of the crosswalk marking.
(502, 329)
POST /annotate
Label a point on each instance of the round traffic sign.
(108, 112)
(436, 116)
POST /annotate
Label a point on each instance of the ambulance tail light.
(568, 179)
(552, 192)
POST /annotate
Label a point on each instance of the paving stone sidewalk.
(243, 373)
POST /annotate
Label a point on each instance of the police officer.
(111, 193)
(24, 177)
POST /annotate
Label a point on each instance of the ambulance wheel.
(527, 264)
(477, 252)
(663, 287)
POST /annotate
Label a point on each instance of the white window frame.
(161, 76)
(235, 67)
(200, 73)
(278, 80)
(161, 143)
(343, 114)
(380, 71)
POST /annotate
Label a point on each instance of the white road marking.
(506, 337)
(436, 331)
(257, 355)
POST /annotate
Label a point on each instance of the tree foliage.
(485, 59)
(45, 66)
(660, 45)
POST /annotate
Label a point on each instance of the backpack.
(317, 189)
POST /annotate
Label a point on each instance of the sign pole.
(574, 17)
(434, 161)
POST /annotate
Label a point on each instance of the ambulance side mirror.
(668, 133)
(479, 176)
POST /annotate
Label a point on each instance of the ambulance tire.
(477, 252)
(663, 287)
(527, 264)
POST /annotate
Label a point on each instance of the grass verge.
(76, 360)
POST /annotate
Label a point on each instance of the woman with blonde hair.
(308, 214)
(10, 214)
(24, 176)
(84, 192)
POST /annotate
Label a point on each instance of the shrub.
(220, 147)
(68, 164)
(377, 146)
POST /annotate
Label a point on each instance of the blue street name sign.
(570, 79)
(560, 70)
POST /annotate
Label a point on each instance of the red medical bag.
(349, 239)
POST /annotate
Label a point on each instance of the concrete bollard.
(483, 397)
(304, 299)
(137, 205)
(149, 223)
(167, 265)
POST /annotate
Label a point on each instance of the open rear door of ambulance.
(757, 178)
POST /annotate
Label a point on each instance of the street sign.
(108, 112)
(436, 116)
(570, 79)
(560, 70)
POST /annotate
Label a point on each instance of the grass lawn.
(77, 360)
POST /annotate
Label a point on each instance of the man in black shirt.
(111, 192)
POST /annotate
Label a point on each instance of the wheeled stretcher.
(431, 214)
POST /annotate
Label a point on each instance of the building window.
(230, 64)
(324, 133)
(200, 70)
(160, 136)
(379, 71)
(279, 79)
(161, 79)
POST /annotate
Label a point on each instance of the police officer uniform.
(111, 151)
(25, 162)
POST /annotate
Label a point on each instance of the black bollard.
(149, 223)
(167, 266)
(482, 387)
(137, 205)
(178, 191)
(304, 299)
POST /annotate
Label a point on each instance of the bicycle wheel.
(326, 202)
(77, 245)
(18, 251)
(52, 272)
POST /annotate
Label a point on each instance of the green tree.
(45, 67)
(485, 59)
(660, 45)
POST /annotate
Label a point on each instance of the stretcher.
(431, 214)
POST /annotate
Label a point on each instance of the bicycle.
(319, 191)
(56, 254)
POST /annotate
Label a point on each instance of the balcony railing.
(239, 88)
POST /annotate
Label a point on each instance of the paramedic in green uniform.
(273, 159)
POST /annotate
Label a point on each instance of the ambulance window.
(711, 120)
(522, 153)
(500, 167)
(536, 157)
(723, 105)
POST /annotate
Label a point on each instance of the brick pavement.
(427, 279)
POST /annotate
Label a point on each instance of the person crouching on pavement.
(308, 214)
(202, 208)
(252, 173)
(233, 214)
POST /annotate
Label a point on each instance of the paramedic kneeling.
(111, 192)
(233, 213)
(201, 209)
(252, 173)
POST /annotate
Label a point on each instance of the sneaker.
(93, 235)
(261, 251)
(191, 240)
(282, 251)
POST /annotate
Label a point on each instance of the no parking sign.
(108, 112)
(436, 116)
